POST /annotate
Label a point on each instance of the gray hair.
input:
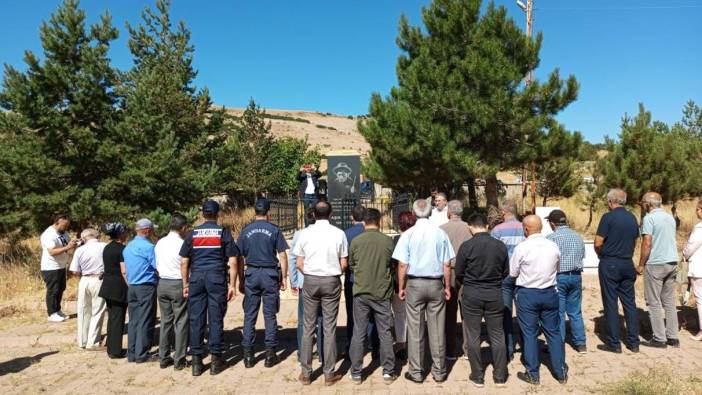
(653, 200)
(89, 233)
(443, 195)
(617, 196)
(510, 206)
(455, 207)
(421, 208)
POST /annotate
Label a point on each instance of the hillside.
(328, 131)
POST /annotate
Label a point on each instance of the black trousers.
(451, 325)
(116, 313)
(474, 309)
(55, 285)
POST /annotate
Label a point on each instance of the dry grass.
(654, 382)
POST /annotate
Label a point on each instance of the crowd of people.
(400, 293)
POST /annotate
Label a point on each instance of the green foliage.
(650, 156)
(56, 137)
(285, 118)
(460, 109)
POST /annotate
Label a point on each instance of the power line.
(633, 8)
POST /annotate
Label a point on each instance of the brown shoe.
(305, 380)
(331, 380)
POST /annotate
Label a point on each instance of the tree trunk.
(591, 208)
(491, 190)
(472, 196)
(543, 201)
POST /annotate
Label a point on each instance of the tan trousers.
(90, 312)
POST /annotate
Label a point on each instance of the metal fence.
(287, 213)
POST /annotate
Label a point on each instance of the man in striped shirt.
(568, 279)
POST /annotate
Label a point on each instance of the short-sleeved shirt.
(209, 246)
(87, 260)
(168, 256)
(572, 248)
(425, 248)
(510, 232)
(322, 245)
(370, 256)
(661, 226)
(620, 231)
(260, 242)
(534, 262)
(50, 239)
(140, 261)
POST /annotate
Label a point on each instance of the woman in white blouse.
(693, 254)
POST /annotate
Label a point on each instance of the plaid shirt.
(572, 248)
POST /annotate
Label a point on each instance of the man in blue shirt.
(205, 253)
(354, 230)
(569, 280)
(265, 265)
(424, 253)
(511, 233)
(140, 265)
(614, 243)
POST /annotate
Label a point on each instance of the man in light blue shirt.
(140, 264)
(424, 253)
(658, 263)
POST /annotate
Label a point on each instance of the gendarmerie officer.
(265, 264)
(205, 252)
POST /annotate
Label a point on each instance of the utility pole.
(528, 8)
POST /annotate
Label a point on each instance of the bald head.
(532, 225)
(651, 200)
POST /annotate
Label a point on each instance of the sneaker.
(697, 337)
(356, 379)
(500, 384)
(56, 318)
(479, 383)
(451, 358)
(465, 357)
(388, 378)
(61, 313)
(655, 344)
(675, 343)
(582, 349)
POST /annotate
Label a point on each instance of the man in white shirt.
(55, 245)
(534, 263)
(439, 214)
(322, 255)
(87, 263)
(172, 304)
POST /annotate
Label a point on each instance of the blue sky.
(330, 56)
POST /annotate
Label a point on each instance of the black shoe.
(217, 364)
(166, 362)
(654, 344)
(439, 380)
(271, 358)
(412, 379)
(609, 348)
(180, 364)
(197, 365)
(582, 349)
(150, 358)
(564, 379)
(248, 358)
(526, 377)
(634, 348)
(673, 343)
(118, 356)
(478, 382)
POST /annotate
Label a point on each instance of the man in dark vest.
(265, 267)
(205, 252)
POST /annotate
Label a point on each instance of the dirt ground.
(37, 356)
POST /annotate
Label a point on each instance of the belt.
(91, 275)
(572, 272)
(424, 277)
(260, 267)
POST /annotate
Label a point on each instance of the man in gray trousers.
(172, 304)
(424, 253)
(370, 259)
(322, 253)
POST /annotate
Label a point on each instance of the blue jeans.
(538, 309)
(320, 332)
(508, 289)
(570, 296)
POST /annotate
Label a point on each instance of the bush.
(654, 382)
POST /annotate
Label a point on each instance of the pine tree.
(257, 150)
(56, 130)
(558, 164)
(460, 110)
